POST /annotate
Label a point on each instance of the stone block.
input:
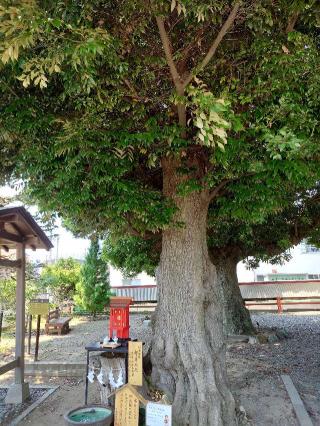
(17, 393)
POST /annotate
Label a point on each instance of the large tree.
(119, 114)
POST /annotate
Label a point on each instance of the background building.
(304, 265)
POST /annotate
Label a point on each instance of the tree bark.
(188, 351)
(236, 317)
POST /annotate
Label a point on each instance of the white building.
(304, 264)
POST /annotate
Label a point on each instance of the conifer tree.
(93, 290)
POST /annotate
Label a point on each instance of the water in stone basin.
(88, 416)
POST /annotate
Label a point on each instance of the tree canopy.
(86, 89)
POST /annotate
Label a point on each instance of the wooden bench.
(56, 322)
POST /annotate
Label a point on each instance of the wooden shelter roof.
(18, 226)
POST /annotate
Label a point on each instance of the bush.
(61, 279)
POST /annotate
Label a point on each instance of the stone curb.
(299, 408)
(56, 369)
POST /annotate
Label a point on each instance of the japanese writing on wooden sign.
(158, 414)
(135, 363)
(126, 408)
(39, 307)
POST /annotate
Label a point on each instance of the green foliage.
(93, 289)
(209, 114)
(269, 240)
(8, 286)
(61, 279)
(90, 110)
(7, 293)
(132, 255)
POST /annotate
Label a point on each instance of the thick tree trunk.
(188, 352)
(236, 317)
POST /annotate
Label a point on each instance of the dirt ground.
(70, 347)
(254, 370)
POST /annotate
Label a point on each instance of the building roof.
(17, 226)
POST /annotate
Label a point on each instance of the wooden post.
(20, 313)
(29, 334)
(279, 305)
(1, 319)
(19, 392)
(37, 338)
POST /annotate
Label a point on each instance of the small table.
(97, 347)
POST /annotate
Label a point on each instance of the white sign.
(158, 414)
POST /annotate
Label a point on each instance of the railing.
(9, 366)
(280, 295)
(139, 293)
(271, 295)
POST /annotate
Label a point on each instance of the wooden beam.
(9, 366)
(9, 218)
(17, 228)
(10, 237)
(7, 263)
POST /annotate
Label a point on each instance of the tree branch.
(167, 50)
(173, 71)
(225, 28)
(134, 92)
(292, 22)
(197, 38)
(215, 192)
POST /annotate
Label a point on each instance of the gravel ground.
(296, 355)
(10, 411)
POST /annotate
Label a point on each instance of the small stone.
(253, 341)
(273, 338)
(262, 338)
(282, 334)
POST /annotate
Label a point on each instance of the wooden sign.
(135, 363)
(158, 414)
(39, 307)
(127, 406)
